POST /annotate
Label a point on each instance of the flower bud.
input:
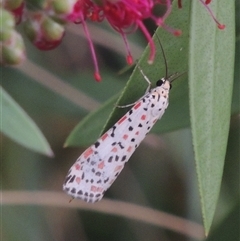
(7, 24)
(44, 32)
(16, 7)
(63, 6)
(12, 50)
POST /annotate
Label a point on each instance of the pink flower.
(125, 17)
(205, 4)
(82, 10)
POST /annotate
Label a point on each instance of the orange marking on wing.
(122, 119)
(88, 152)
(78, 180)
(93, 188)
(117, 168)
(125, 137)
(96, 189)
(143, 117)
(114, 149)
(129, 149)
(104, 136)
(137, 133)
(101, 165)
(77, 166)
(137, 105)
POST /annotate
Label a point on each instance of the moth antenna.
(176, 76)
(164, 57)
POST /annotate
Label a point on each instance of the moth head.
(164, 83)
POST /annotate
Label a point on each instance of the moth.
(100, 164)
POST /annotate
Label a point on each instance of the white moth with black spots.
(98, 166)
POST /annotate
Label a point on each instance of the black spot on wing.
(98, 174)
(93, 163)
(67, 178)
(113, 130)
(120, 144)
(73, 190)
(110, 159)
(106, 180)
(66, 189)
(80, 192)
(97, 144)
(124, 158)
(72, 179)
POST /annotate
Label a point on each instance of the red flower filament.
(125, 17)
(205, 4)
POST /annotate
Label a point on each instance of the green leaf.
(211, 65)
(18, 126)
(85, 134)
(228, 229)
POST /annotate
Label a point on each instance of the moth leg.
(146, 78)
(125, 106)
(147, 90)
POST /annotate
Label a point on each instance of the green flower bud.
(12, 50)
(7, 23)
(52, 30)
(44, 32)
(63, 6)
(12, 4)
